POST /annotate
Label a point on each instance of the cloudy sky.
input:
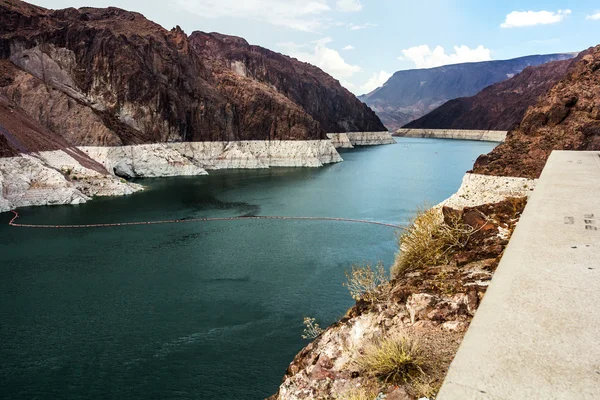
(362, 42)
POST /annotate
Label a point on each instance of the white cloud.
(354, 27)
(348, 5)
(329, 60)
(300, 15)
(376, 80)
(517, 19)
(349, 47)
(594, 17)
(424, 57)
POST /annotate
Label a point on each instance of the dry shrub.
(363, 281)
(425, 389)
(429, 241)
(312, 330)
(361, 393)
(395, 359)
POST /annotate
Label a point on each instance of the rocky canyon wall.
(60, 177)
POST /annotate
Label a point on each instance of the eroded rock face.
(318, 93)
(370, 138)
(340, 140)
(73, 175)
(143, 161)
(566, 118)
(53, 177)
(108, 77)
(194, 158)
(477, 189)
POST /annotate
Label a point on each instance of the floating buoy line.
(181, 221)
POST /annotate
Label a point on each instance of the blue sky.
(362, 42)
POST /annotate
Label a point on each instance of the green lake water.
(209, 310)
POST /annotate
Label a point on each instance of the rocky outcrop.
(54, 177)
(340, 140)
(477, 190)
(486, 136)
(410, 94)
(434, 305)
(497, 107)
(566, 118)
(143, 161)
(109, 77)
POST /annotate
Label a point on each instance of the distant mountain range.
(497, 107)
(410, 94)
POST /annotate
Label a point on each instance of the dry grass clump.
(424, 389)
(429, 241)
(361, 393)
(363, 281)
(395, 359)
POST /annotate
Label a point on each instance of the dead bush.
(363, 282)
(430, 241)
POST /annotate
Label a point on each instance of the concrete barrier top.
(536, 334)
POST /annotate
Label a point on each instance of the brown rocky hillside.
(112, 77)
(497, 107)
(566, 118)
(411, 94)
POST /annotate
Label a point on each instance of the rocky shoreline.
(62, 176)
(460, 134)
(433, 304)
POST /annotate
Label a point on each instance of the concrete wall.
(535, 334)
(486, 136)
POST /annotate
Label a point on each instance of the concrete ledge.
(536, 334)
(486, 136)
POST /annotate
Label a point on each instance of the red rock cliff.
(112, 77)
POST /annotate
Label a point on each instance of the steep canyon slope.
(566, 118)
(112, 77)
(498, 107)
(410, 94)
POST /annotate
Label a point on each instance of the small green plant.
(311, 329)
(442, 285)
(395, 359)
(123, 180)
(363, 281)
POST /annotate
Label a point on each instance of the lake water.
(209, 310)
